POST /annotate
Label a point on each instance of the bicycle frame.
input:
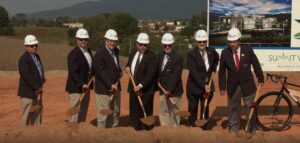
(289, 93)
(284, 83)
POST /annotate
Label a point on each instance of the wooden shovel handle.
(205, 99)
(252, 109)
(88, 86)
(139, 98)
(164, 91)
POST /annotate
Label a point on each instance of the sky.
(30, 6)
(250, 6)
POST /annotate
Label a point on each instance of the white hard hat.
(143, 38)
(111, 35)
(234, 34)
(82, 34)
(30, 40)
(167, 39)
(201, 35)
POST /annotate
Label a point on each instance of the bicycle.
(274, 109)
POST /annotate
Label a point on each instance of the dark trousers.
(136, 112)
(234, 110)
(193, 101)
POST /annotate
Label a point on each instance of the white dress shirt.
(87, 56)
(113, 56)
(134, 62)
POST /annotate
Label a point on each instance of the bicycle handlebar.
(277, 77)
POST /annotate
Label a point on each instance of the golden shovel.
(76, 109)
(199, 122)
(183, 114)
(38, 105)
(147, 120)
(109, 111)
(252, 109)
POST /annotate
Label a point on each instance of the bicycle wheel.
(274, 111)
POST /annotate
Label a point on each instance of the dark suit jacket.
(106, 71)
(197, 70)
(30, 80)
(170, 77)
(244, 76)
(79, 72)
(146, 73)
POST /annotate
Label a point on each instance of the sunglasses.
(83, 39)
(201, 41)
(33, 46)
(167, 46)
(143, 44)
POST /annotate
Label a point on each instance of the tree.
(166, 28)
(123, 23)
(19, 20)
(6, 27)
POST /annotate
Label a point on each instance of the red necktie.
(237, 60)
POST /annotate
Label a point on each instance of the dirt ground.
(55, 129)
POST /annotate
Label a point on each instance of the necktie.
(39, 66)
(237, 60)
(137, 64)
(166, 57)
(203, 55)
(114, 57)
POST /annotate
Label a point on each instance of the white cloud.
(250, 6)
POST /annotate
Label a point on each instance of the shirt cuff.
(140, 85)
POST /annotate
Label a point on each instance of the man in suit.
(107, 74)
(31, 81)
(142, 64)
(202, 61)
(235, 63)
(170, 69)
(80, 71)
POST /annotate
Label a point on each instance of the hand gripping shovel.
(199, 122)
(37, 106)
(76, 109)
(146, 120)
(183, 114)
(109, 111)
(252, 109)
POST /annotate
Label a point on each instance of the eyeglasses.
(83, 39)
(201, 42)
(33, 46)
(167, 46)
(145, 45)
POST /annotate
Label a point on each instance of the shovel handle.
(164, 91)
(88, 86)
(205, 99)
(139, 98)
(252, 109)
(113, 94)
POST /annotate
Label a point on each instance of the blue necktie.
(165, 60)
(39, 66)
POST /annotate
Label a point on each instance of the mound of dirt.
(85, 132)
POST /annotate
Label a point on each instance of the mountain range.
(141, 9)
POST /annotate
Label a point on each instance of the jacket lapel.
(82, 56)
(33, 63)
(169, 62)
(112, 60)
(231, 59)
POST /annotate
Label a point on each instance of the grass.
(43, 34)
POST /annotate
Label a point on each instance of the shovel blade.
(106, 112)
(34, 108)
(200, 123)
(73, 111)
(148, 120)
(183, 114)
